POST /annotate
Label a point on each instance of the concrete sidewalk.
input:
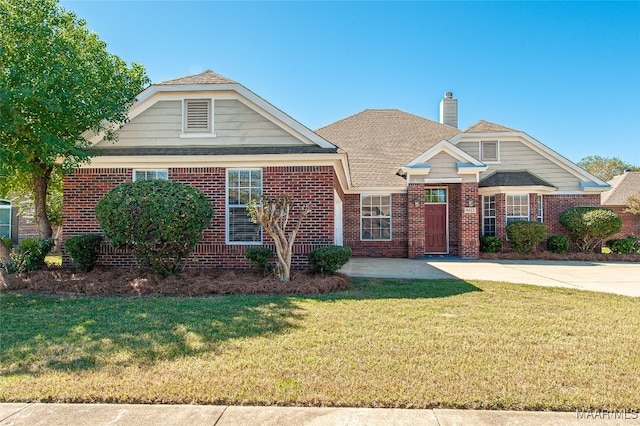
(196, 415)
(619, 278)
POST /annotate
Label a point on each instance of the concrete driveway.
(619, 278)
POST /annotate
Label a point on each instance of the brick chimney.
(449, 110)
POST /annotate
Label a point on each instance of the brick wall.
(630, 222)
(85, 187)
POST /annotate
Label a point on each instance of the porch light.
(471, 202)
(416, 201)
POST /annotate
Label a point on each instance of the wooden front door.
(435, 217)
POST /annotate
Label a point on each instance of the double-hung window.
(517, 208)
(144, 174)
(489, 215)
(375, 217)
(540, 208)
(243, 186)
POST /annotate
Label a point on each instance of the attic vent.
(489, 150)
(197, 116)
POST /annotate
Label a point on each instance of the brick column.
(469, 224)
(415, 225)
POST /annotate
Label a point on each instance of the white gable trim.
(537, 146)
(148, 97)
(447, 147)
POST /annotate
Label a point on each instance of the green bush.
(490, 244)
(588, 226)
(159, 221)
(525, 235)
(8, 243)
(327, 260)
(259, 256)
(30, 255)
(629, 245)
(558, 244)
(84, 250)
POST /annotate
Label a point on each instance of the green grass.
(437, 343)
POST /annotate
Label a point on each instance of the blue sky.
(566, 73)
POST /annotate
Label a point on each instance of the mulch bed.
(108, 281)
(547, 255)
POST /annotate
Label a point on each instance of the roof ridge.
(205, 77)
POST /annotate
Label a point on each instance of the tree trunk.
(40, 187)
(4, 252)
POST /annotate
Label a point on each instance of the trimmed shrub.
(327, 260)
(8, 243)
(159, 221)
(558, 244)
(259, 256)
(490, 244)
(629, 245)
(31, 253)
(84, 250)
(588, 226)
(525, 235)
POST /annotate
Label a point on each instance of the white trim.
(447, 147)
(154, 93)
(446, 220)
(443, 180)
(362, 196)
(517, 190)
(535, 145)
(338, 235)
(226, 208)
(540, 203)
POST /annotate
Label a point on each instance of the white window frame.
(228, 206)
(189, 133)
(540, 212)
(485, 199)
(6, 205)
(520, 217)
(134, 178)
(390, 217)
(490, 160)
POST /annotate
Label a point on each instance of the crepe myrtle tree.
(272, 214)
(58, 84)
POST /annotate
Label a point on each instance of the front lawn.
(436, 343)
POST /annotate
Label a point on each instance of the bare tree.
(272, 214)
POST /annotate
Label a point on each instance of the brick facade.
(85, 187)
(630, 222)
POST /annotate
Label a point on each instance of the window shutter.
(197, 116)
(490, 151)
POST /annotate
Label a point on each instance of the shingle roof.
(206, 77)
(513, 178)
(622, 187)
(379, 142)
(484, 126)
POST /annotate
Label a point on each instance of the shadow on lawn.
(369, 288)
(41, 333)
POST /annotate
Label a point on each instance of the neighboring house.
(622, 187)
(384, 182)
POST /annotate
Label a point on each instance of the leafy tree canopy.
(57, 82)
(605, 168)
